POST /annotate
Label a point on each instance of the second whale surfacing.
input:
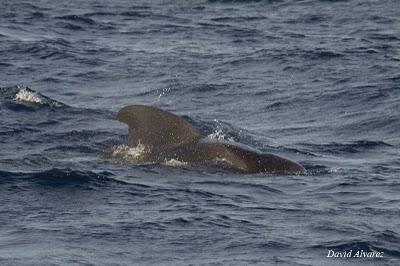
(168, 137)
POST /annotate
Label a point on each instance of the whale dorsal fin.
(155, 128)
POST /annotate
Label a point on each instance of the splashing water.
(128, 154)
(26, 95)
(219, 134)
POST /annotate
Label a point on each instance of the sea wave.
(347, 148)
(60, 177)
(77, 18)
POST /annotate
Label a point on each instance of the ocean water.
(316, 81)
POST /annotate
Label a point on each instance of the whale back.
(168, 137)
(233, 157)
(156, 129)
(263, 163)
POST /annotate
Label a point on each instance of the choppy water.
(315, 81)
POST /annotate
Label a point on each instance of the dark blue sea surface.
(315, 81)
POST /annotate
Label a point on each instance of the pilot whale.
(169, 137)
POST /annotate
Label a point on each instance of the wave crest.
(60, 177)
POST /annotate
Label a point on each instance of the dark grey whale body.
(169, 137)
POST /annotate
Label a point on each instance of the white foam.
(25, 95)
(137, 155)
(175, 163)
(218, 134)
(30, 96)
(129, 153)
